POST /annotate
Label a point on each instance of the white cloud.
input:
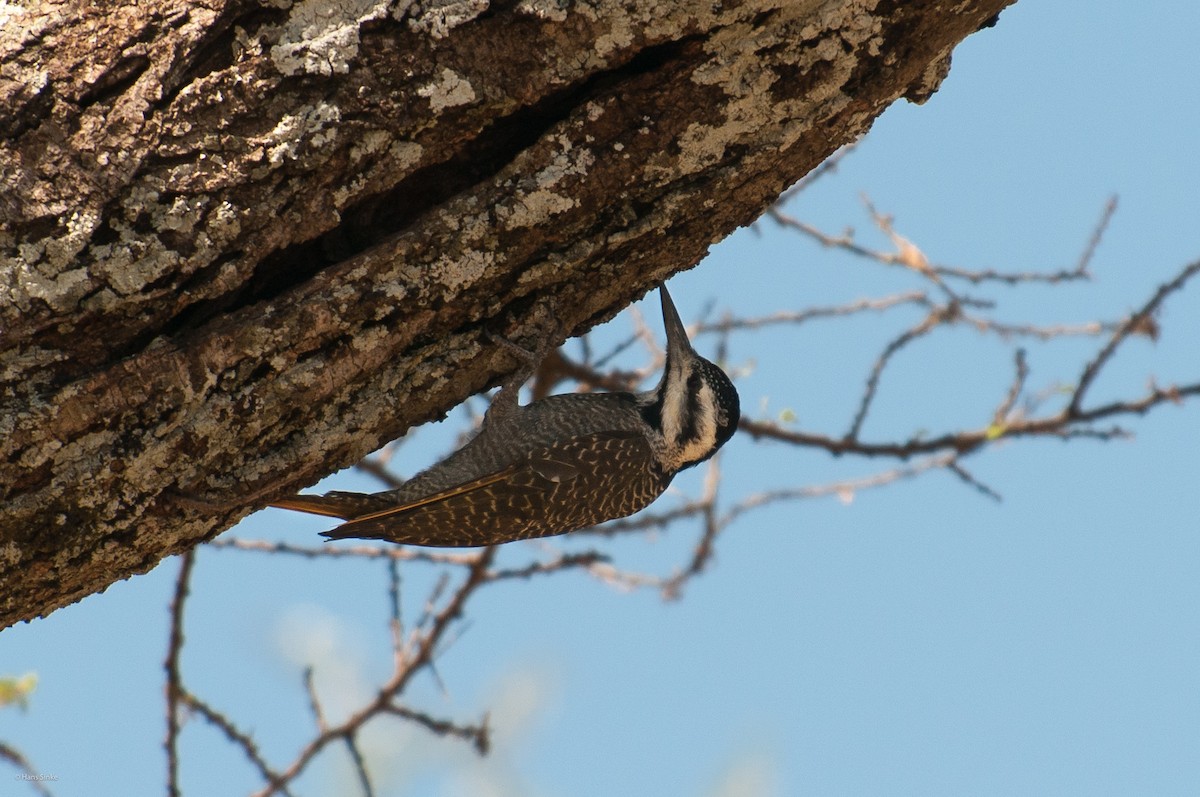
(749, 775)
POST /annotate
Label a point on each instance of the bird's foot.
(506, 399)
(530, 358)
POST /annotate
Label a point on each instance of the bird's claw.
(506, 399)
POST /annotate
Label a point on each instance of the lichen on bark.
(242, 246)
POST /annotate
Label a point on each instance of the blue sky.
(919, 639)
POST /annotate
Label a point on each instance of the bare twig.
(844, 489)
(1041, 332)
(731, 324)
(1089, 251)
(171, 665)
(1014, 391)
(969, 441)
(673, 587)
(904, 256)
(479, 735)
(419, 657)
(1141, 322)
(314, 702)
(393, 552)
(828, 166)
(28, 774)
(968, 479)
(396, 620)
(379, 469)
(928, 323)
(238, 737)
(360, 766)
(562, 562)
(643, 521)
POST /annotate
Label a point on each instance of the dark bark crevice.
(221, 279)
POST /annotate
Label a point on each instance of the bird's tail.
(339, 505)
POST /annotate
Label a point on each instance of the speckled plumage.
(559, 464)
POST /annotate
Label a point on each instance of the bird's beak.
(677, 339)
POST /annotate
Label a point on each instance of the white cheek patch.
(698, 447)
(674, 406)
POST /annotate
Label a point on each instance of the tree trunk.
(242, 245)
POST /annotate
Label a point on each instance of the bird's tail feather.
(336, 504)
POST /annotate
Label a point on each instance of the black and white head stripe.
(695, 407)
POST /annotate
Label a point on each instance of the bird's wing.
(552, 489)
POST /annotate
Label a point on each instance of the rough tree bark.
(245, 244)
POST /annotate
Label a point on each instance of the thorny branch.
(1058, 412)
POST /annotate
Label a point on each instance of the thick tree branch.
(243, 247)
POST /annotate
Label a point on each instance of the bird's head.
(695, 406)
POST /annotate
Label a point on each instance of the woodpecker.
(555, 465)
